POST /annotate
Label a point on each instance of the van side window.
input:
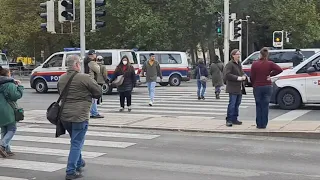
(311, 63)
(107, 58)
(251, 59)
(143, 58)
(56, 61)
(170, 59)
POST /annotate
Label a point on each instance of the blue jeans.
(151, 89)
(218, 89)
(233, 107)
(7, 133)
(200, 85)
(94, 108)
(77, 132)
(262, 95)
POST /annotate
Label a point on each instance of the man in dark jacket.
(75, 114)
(234, 78)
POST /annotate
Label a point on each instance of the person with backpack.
(10, 91)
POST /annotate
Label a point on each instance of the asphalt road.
(179, 101)
(159, 155)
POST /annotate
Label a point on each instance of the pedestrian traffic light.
(218, 27)
(101, 13)
(49, 25)
(66, 10)
(278, 38)
(237, 24)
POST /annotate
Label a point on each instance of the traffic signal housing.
(237, 24)
(66, 11)
(49, 25)
(96, 24)
(219, 27)
(278, 39)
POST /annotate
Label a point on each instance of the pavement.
(135, 154)
(177, 109)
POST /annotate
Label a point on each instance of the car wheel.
(289, 99)
(106, 89)
(175, 80)
(41, 86)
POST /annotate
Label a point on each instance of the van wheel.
(106, 89)
(41, 86)
(175, 80)
(289, 99)
(163, 84)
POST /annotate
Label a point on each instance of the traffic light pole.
(226, 31)
(82, 31)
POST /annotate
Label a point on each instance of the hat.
(91, 52)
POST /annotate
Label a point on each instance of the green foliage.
(158, 25)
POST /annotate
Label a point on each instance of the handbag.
(118, 81)
(55, 109)
(18, 112)
(202, 78)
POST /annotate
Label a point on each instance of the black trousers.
(125, 95)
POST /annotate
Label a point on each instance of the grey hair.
(72, 60)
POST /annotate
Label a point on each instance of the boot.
(217, 95)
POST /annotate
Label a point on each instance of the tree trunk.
(192, 56)
(203, 53)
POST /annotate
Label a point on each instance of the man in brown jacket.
(76, 112)
(234, 78)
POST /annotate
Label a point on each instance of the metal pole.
(93, 13)
(247, 37)
(240, 40)
(82, 31)
(226, 31)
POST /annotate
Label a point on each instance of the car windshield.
(3, 59)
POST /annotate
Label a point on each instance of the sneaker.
(80, 169)
(199, 98)
(150, 103)
(229, 124)
(202, 97)
(129, 108)
(121, 109)
(3, 152)
(10, 153)
(76, 175)
(97, 116)
(237, 122)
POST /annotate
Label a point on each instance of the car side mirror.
(45, 66)
(311, 70)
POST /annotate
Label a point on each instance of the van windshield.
(131, 55)
(3, 59)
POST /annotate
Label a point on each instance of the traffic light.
(66, 10)
(49, 25)
(278, 38)
(101, 13)
(237, 29)
(219, 27)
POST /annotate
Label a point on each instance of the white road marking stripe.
(31, 165)
(169, 109)
(291, 115)
(10, 178)
(210, 106)
(191, 101)
(95, 133)
(168, 112)
(53, 152)
(97, 143)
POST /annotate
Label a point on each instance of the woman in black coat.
(126, 69)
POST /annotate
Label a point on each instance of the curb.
(287, 134)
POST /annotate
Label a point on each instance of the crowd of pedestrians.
(80, 94)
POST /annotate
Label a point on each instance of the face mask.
(125, 62)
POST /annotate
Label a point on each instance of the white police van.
(46, 76)
(300, 85)
(4, 61)
(282, 57)
(173, 64)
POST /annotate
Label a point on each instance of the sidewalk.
(303, 129)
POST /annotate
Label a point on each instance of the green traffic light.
(219, 30)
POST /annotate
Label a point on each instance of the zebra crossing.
(177, 102)
(38, 142)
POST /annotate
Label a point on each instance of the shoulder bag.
(55, 109)
(18, 112)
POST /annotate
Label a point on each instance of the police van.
(4, 61)
(300, 85)
(282, 57)
(46, 76)
(173, 64)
